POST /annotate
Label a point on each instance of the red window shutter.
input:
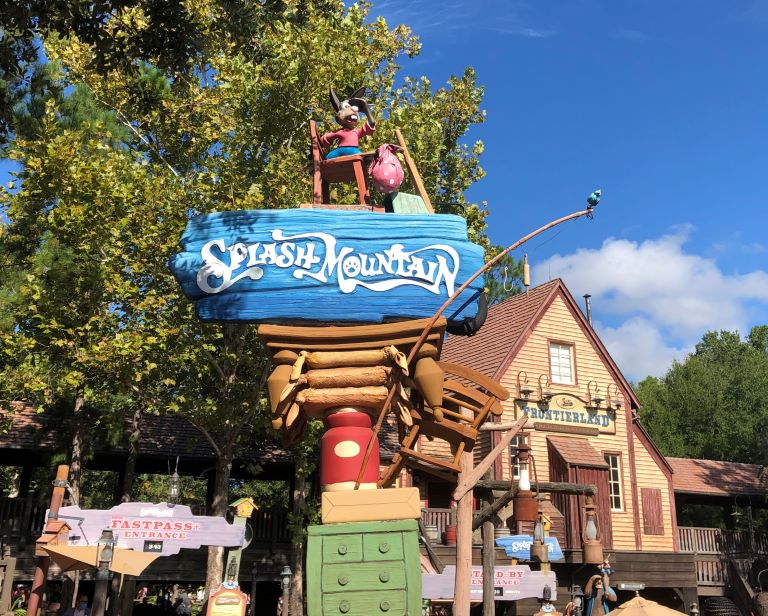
(653, 518)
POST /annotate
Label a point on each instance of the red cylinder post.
(342, 451)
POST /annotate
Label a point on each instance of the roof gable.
(508, 326)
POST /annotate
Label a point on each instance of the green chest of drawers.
(364, 569)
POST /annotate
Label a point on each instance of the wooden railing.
(438, 517)
(20, 519)
(698, 540)
(715, 548)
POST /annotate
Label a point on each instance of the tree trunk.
(297, 551)
(215, 573)
(123, 603)
(129, 475)
(76, 462)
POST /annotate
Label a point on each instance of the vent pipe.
(588, 306)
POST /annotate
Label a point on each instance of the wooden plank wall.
(559, 324)
(649, 475)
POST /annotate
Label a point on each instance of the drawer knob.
(383, 547)
(384, 605)
(343, 580)
(384, 576)
(342, 549)
(344, 607)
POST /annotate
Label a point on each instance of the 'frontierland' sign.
(330, 266)
(566, 410)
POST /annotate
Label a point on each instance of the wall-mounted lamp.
(522, 385)
(612, 395)
(593, 548)
(545, 394)
(593, 399)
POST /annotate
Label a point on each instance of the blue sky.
(664, 105)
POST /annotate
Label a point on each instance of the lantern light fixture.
(593, 548)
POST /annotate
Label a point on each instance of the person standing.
(80, 609)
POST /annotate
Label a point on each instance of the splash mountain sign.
(319, 266)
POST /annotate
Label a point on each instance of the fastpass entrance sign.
(148, 527)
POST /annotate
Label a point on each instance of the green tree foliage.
(712, 405)
(151, 112)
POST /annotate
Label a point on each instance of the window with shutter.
(653, 518)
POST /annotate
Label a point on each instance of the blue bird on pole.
(594, 198)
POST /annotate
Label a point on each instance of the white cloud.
(667, 297)
(639, 349)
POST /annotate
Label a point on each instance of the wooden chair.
(342, 169)
(482, 398)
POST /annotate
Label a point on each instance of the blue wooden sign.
(293, 265)
(519, 546)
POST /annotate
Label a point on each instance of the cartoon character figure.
(348, 116)
(598, 592)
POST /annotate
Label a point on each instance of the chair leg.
(362, 189)
(317, 186)
(326, 192)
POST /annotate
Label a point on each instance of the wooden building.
(582, 428)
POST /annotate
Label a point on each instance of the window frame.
(572, 352)
(620, 482)
(518, 439)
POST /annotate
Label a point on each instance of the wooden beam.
(414, 172)
(579, 489)
(492, 426)
(434, 559)
(463, 579)
(494, 507)
(489, 562)
(468, 480)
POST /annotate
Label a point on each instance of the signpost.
(146, 527)
(226, 602)
(519, 546)
(566, 410)
(509, 583)
(289, 266)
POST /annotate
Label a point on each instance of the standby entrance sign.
(146, 527)
(509, 583)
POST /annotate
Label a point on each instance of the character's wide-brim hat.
(589, 586)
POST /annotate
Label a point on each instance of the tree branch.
(209, 438)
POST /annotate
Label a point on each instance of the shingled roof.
(506, 329)
(161, 435)
(577, 451)
(505, 325)
(717, 478)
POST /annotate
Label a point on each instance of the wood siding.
(649, 475)
(560, 325)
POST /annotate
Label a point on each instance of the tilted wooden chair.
(341, 169)
(455, 428)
